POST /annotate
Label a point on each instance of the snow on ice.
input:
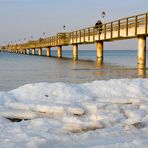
(104, 114)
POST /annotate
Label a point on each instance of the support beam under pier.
(141, 55)
(24, 51)
(48, 52)
(99, 53)
(59, 51)
(75, 52)
(16, 51)
(40, 51)
(33, 51)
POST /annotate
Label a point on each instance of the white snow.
(100, 114)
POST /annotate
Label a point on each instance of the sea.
(20, 69)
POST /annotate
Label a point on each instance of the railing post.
(99, 32)
(80, 35)
(99, 47)
(118, 28)
(93, 34)
(88, 34)
(75, 52)
(84, 35)
(111, 30)
(141, 56)
(126, 26)
(72, 37)
(76, 37)
(104, 31)
(135, 25)
(146, 15)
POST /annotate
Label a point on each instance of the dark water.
(18, 69)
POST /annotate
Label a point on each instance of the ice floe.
(111, 113)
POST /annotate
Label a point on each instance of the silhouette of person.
(99, 25)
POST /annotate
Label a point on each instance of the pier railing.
(129, 27)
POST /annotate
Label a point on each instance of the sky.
(26, 19)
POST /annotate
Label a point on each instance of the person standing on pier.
(99, 26)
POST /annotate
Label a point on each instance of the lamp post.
(43, 33)
(64, 27)
(103, 16)
(31, 37)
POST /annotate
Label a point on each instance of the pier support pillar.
(40, 51)
(99, 53)
(141, 56)
(75, 52)
(28, 51)
(24, 51)
(59, 51)
(33, 51)
(48, 53)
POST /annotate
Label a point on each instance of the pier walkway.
(125, 28)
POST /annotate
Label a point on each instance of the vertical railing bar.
(104, 31)
(72, 37)
(69, 38)
(84, 35)
(126, 26)
(52, 41)
(118, 28)
(76, 37)
(146, 15)
(99, 33)
(80, 35)
(135, 25)
(111, 30)
(93, 34)
(88, 34)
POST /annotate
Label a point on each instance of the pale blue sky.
(25, 18)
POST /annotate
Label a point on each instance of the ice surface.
(101, 114)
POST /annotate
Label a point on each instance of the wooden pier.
(125, 28)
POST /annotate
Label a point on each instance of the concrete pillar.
(33, 51)
(99, 53)
(141, 56)
(28, 51)
(59, 51)
(24, 51)
(48, 53)
(40, 51)
(75, 52)
(141, 72)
